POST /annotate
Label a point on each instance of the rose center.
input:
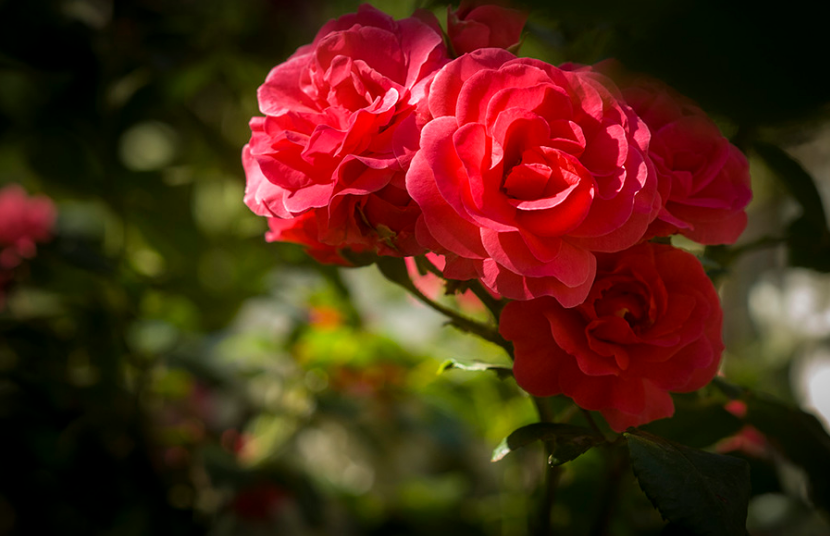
(627, 304)
(533, 178)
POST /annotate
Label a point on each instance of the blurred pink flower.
(24, 221)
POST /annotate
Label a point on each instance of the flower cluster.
(543, 183)
(24, 222)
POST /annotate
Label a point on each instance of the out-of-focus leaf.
(569, 441)
(808, 245)
(797, 181)
(800, 436)
(697, 422)
(699, 491)
(475, 366)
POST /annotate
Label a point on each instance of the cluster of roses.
(543, 183)
(24, 221)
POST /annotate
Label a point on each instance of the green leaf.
(697, 422)
(799, 183)
(569, 441)
(699, 491)
(799, 436)
(795, 433)
(476, 366)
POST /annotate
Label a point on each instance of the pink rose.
(473, 26)
(703, 179)
(527, 170)
(340, 125)
(24, 221)
(651, 324)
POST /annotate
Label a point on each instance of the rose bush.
(650, 325)
(525, 171)
(704, 180)
(341, 121)
(475, 25)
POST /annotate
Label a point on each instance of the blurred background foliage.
(163, 370)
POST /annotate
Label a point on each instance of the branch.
(394, 269)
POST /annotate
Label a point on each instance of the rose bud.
(703, 179)
(475, 25)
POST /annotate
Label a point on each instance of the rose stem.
(493, 305)
(461, 322)
(617, 463)
(552, 474)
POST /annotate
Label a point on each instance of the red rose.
(473, 26)
(704, 180)
(651, 324)
(341, 123)
(525, 171)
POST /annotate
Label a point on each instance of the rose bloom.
(340, 125)
(525, 171)
(473, 26)
(651, 324)
(703, 179)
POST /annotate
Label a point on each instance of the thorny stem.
(464, 323)
(425, 265)
(546, 414)
(493, 305)
(617, 465)
(552, 475)
(460, 321)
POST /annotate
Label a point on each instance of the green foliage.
(799, 436)
(567, 442)
(808, 237)
(501, 371)
(797, 181)
(698, 422)
(164, 370)
(704, 493)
